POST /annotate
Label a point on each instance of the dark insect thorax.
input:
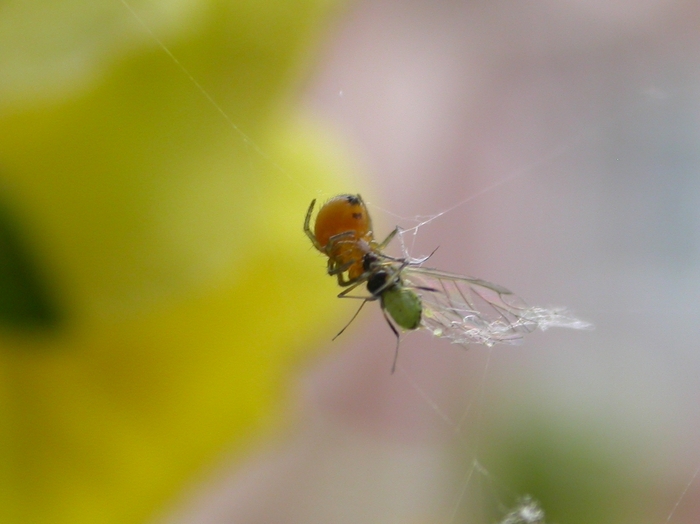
(377, 282)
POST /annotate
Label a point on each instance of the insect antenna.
(353, 318)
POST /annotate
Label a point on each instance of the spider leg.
(339, 271)
(307, 227)
(388, 239)
(335, 269)
(385, 242)
(342, 281)
(342, 236)
(353, 285)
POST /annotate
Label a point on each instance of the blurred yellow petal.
(167, 239)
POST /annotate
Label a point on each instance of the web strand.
(458, 425)
(683, 494)
(247, 141)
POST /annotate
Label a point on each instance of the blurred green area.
(573, 468)
(155, 282)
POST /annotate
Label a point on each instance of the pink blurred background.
(562, 141)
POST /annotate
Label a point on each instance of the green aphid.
(403, 305)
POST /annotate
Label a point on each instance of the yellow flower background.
(155, 279)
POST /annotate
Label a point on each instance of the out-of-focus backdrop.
(560, 145)
(553, 148)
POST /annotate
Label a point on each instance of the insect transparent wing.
(466, 310)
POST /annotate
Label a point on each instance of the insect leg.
(396, 353)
